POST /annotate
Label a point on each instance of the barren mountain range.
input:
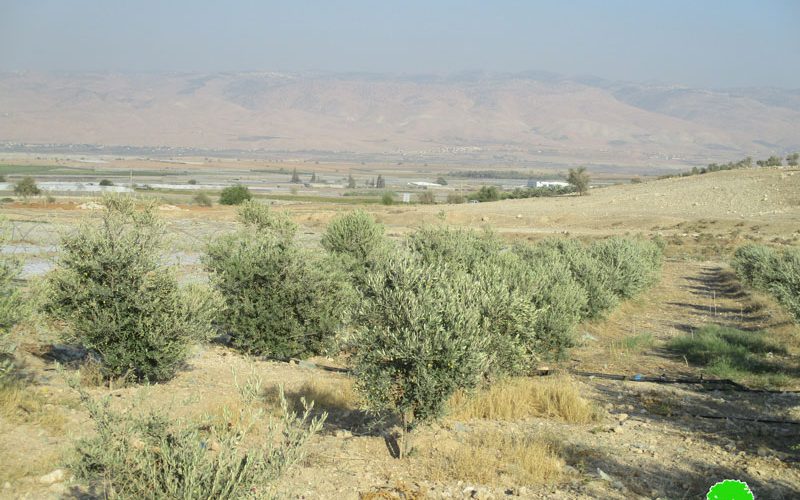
(471, 117)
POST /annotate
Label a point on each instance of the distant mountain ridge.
(467, 117)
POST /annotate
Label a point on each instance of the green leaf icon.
(730, 489)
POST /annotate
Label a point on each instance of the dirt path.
(689, 296)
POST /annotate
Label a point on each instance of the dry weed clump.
(492, 458)
(332, 395)
(521, 398)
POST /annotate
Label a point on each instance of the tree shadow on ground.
(690, 479)
(342, 412)
(717, 282)
(724, 418)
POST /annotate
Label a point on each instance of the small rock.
(622, 417)
(762, 451)
(617, 428)
(343, 434)
(485, 219)
(213, 445)
(523, 491)
(6, 485)
(519, 216)
(603, 475)
(459, 427)
(471, 491)
(56, 476)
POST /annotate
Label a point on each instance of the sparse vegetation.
(493, 457)
(117, 300)
(456, 198)
(234, 195)
(426, 198)
(134, 456)
(203, 200)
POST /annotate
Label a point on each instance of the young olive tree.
(117, 299)
(282, 301)
(419, 343)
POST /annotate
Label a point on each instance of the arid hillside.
(529, 119)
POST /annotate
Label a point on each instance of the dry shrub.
(520, 398)
(400, 491)
(495, 458)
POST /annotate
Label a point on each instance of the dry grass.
(492, 458)
(35, 465)
(24, 404)
(521, 398)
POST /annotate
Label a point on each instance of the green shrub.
(586, 269)
(756, 265)
(9, 294)
(552, 289)
(261, 218)
(105, 182)
(234, 195)
(776, 273)
(633, 265)
(203, 200)
(10, 305)
(26, 187)
(387, 198)
(509, 318)
(117, 300)
(456, 247)
(420, 341)
(355, 234)
(787, 288)
(154, 456)
(282, 301)
(487, 193)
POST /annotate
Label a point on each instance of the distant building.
(551, 184)
(425, 185)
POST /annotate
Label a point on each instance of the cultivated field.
(629, 412)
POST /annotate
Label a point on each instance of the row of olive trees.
(445, 309)
(777, 273)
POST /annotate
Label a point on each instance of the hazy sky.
(709, 43)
